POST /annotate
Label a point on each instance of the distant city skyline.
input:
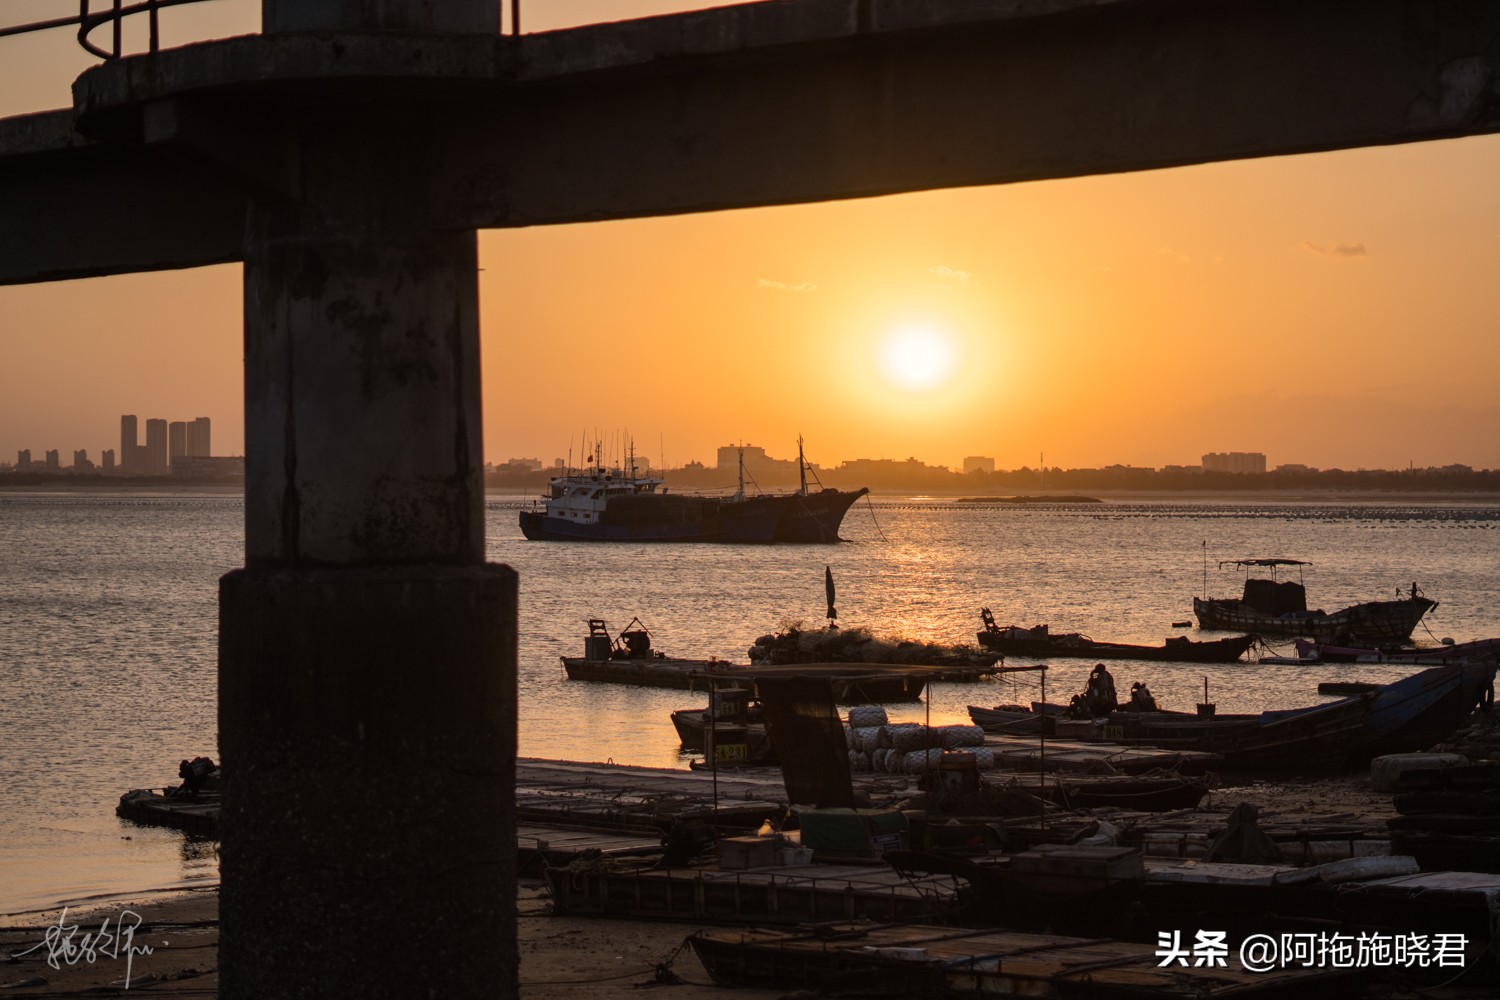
(167, 443)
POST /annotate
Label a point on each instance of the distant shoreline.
(1331, 495)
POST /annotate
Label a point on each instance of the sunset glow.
(1141, 318)
(918, 357)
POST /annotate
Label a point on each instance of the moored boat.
(1447, 652)
(623, 505)
(1273, 607)
(804, 516)
(1422, 710)
(1039, 641)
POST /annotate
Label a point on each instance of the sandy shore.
(561, 957)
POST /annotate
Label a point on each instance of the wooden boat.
(1424, 709)
(1319, 735)
(1449, 652)
(628, 658)
(1040, 642)
(1272, 607)
(1411, 714)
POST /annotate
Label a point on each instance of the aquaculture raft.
(795, 894)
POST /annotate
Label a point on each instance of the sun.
(918, 357)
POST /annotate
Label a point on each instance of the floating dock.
(794, 894)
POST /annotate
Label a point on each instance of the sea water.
(108, 611)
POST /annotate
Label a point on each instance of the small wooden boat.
(1040, 642)
(1317, 736)
(1449, 652)
(1272, 607)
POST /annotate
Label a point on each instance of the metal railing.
(114, 15)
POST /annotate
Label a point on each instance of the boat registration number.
(731, 751)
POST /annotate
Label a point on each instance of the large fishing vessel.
(621, 505)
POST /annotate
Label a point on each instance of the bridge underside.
(732, 108)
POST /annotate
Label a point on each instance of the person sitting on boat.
(1141, 698)
(1101, 695)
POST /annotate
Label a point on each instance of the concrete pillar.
(367, 653)
(448, 16)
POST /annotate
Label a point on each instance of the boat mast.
(801, 467)
(740, 494)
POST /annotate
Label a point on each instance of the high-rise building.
(176, 441)
(1238, 462)
(107, 461)
(54, 461)
(978, 463)
(197, 439)
(23, 460)
(81, 463)
(129, 439)
(156, 448)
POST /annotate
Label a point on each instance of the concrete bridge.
(348, 154)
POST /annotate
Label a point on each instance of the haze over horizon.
(1330, 310)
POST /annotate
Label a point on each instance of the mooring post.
(367, 651)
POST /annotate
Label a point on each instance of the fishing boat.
(1040, 642)
(810, 516)
(1316, 736)
(623, 505)
(1448, 652)
(1279, 607)
(1411, 714)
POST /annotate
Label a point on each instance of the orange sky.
(1332, 310)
